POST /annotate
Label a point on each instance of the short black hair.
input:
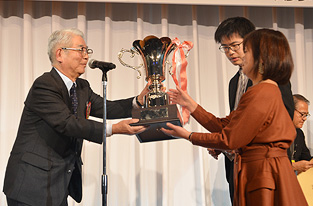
(234, 25)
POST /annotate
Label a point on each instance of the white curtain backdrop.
(167, 173)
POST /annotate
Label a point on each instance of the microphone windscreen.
(90, 63)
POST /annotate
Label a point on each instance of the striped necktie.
(242, 84)
(74, 100)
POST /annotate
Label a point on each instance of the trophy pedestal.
(156, 118)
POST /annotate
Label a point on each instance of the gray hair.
(299, 97)
(63, 37)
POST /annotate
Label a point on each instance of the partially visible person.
(298, 153)
(45, 164)
(260, 129)
(230, 34)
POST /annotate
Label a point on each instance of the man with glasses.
(45, 164)
(230, 34)
(298, 153)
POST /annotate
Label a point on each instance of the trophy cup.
(156, 111)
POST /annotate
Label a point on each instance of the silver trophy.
(156, 111)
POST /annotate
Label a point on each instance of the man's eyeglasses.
(233, 47)
(304, 114)
(83, 50)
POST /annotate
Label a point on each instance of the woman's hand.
(176, 131)
(178, 96)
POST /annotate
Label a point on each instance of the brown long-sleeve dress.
(261, 130)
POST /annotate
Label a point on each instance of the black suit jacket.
(284, 89)
(45, 161)
(301, 151)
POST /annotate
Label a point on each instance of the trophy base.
(156, 118)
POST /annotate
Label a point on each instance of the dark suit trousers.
(229, 169)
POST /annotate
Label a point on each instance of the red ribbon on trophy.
(179, 65)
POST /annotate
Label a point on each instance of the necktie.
(73, 95)
(74, 100)
(242, 84)
(241, 88)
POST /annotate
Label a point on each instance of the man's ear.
(59, 55)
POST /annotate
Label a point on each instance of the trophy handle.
(133, 53)
(170, 67)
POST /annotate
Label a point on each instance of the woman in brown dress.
(260, 129)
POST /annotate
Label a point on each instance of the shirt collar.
(68, 83)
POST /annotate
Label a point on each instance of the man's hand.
(302, 165)
(123, 127)
(214, 153)
(143, 93)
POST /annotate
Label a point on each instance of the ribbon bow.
(179, 63)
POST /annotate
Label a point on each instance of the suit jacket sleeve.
(302, 151)
(49, 99)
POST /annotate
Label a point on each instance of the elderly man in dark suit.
(45, 163)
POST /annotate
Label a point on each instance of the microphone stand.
(104, 175)
(105, 67)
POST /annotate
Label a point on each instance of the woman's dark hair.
(271, 49)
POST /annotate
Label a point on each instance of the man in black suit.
(45, 163)
(298, 153)
(230, 34)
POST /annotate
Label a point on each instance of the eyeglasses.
(304, 114)
(233, 47)
(83, 50)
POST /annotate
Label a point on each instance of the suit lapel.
(62, 87)
(233, 90)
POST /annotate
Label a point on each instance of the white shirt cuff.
(109, 130)
(109, 126)
(135, 105)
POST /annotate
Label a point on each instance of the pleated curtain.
(165, 173)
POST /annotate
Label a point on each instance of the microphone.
(104, 66)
